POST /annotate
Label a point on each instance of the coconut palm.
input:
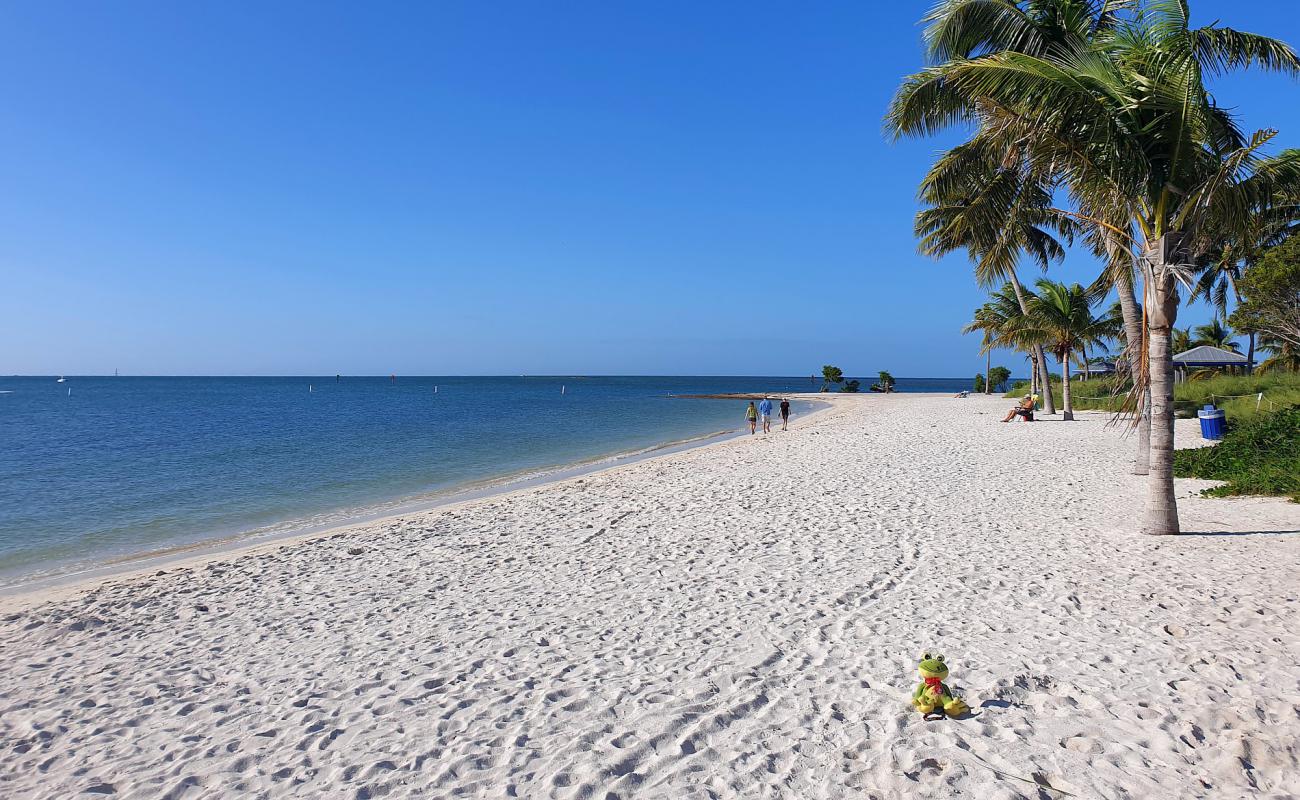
(1061, 316)
(965, 29)
(1284, 356)
(1124, 125)
(997, 214)
(1110, 331)
(1213, 334)
(1180, 340)
(1218, 278)
(999, 320)
(985, 322)
(986, 343)
(1226, 262)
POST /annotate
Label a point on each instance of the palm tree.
(1224, 265)
(1062, 317)
(964, 29)
(1180, 340)
(1284, 356)
(1219, 277)
(1123, 124)
(997, 214)
(1213, 334)
(1110, 329)
(984, 323)
(1000, 321)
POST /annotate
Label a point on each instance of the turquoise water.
(125, 465)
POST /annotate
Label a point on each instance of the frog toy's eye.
(938, 657)
(925, 656)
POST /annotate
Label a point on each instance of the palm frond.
(1221, 50)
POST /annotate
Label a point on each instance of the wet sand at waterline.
(739, 620)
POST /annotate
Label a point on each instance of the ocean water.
(98, 468)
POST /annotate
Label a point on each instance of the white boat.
(61, 379)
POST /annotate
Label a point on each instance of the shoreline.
(739, 619)
(197, 553)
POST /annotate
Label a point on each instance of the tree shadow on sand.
(1238, 533)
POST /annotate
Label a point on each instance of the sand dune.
(740, 620)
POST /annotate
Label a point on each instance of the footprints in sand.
(683, 629)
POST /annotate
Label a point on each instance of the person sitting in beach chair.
(1024, 409)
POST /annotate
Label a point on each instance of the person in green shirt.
(751, 414)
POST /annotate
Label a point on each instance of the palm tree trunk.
(1250, 353)
(1067, 413)
(1132, 356)
(1161, 515)
(988, 367)
(1142, 464)
(1049, 405)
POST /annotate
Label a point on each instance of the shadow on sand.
(1239, 533)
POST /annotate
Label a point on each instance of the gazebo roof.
(1207, 356)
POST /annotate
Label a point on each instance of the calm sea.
(100, 467)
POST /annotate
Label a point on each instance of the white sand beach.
(739, 620)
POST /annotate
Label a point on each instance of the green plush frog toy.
(932, 695)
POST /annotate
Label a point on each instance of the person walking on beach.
(785, 414)
(751, 414)
(765, 410)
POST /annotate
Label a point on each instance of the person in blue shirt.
(765, 412)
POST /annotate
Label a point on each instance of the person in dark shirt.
(785, 414)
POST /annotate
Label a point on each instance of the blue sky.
(483, 188)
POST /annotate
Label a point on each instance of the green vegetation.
(1283, 356)
(851, 387)
(1258, 456)
(831, 376)
(979, 382)
(1270, 303)
(1001, 320)
(1060, 318)
(998, 377)
(1104, 105)
(1215, 335)
(1280, 390)
(884, 382)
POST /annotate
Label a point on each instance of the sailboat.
(61, 379)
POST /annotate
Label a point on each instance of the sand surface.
(740, 620)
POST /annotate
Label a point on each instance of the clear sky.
(483, 188)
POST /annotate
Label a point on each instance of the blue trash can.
(1211, 422)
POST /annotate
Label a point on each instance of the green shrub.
(1257, 456)
(998, 376)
